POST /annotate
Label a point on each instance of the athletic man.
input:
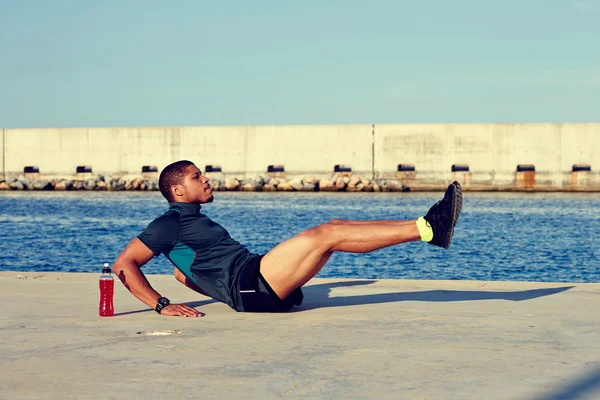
(209, 261)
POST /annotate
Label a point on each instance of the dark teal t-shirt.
(201, 249)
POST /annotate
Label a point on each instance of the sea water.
(551, 237)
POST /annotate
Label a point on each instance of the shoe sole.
(455, 212)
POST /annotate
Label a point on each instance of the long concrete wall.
(242, 150)
(492, 151)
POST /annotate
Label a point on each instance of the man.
(209, 261)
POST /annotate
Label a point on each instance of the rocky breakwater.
(220, 183)
(305, 184)
(99, 182)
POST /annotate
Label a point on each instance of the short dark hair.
(172, 175)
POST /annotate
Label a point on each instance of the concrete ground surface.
(351, 339)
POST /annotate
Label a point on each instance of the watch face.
(163, 301)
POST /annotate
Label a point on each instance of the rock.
(78, 185)
(308, 187)
(16, 185)
(60, 185)
(284, 187)
(131, 182)
(296, 184)
(89, 184)
(340, 183)
(117, 183)
(215, 183)
(42, 185)
(257, 180)
(376, 187)
(353, 181)
(250, 187)
(325, 185)
(355, 188)
(389, 186)
(394, 187)
(26, 182)
(252, 184)
(68, 184)
(232, 184)
(273, 182)
(269, 188)
(4, 186)
(149, 184)
(153, 184)
(102, 185)
(136, 184)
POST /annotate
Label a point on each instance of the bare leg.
(369, 222)
(294, 262)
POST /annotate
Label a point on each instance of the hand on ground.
(180, 310)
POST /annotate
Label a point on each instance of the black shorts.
(257, 295)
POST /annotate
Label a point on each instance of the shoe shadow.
(318, 296)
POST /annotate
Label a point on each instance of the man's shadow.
(319, 296)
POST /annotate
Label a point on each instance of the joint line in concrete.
(4, 153)
(373, 152)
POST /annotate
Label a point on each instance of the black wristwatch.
(162, 303)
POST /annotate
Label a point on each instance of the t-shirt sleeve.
(160, 235)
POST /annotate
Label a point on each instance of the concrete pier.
(359, 339)
(489, 154)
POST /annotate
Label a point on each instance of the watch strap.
(162, 303)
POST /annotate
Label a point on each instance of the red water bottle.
(107, 290)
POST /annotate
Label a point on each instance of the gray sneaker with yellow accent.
(443, 215)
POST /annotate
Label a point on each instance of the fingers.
(180, 310)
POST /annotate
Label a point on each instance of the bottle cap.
(106, 269)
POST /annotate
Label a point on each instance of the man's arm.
(127, 268)
(187, 282)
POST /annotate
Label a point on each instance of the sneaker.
(443, 215)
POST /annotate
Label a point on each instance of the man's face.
(196, 187)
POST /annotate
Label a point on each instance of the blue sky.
(263, 62)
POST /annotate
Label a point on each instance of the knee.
(324, 230)
(323, 236)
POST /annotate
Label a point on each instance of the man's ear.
(177, 190)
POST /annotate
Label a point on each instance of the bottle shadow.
(319, 296)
